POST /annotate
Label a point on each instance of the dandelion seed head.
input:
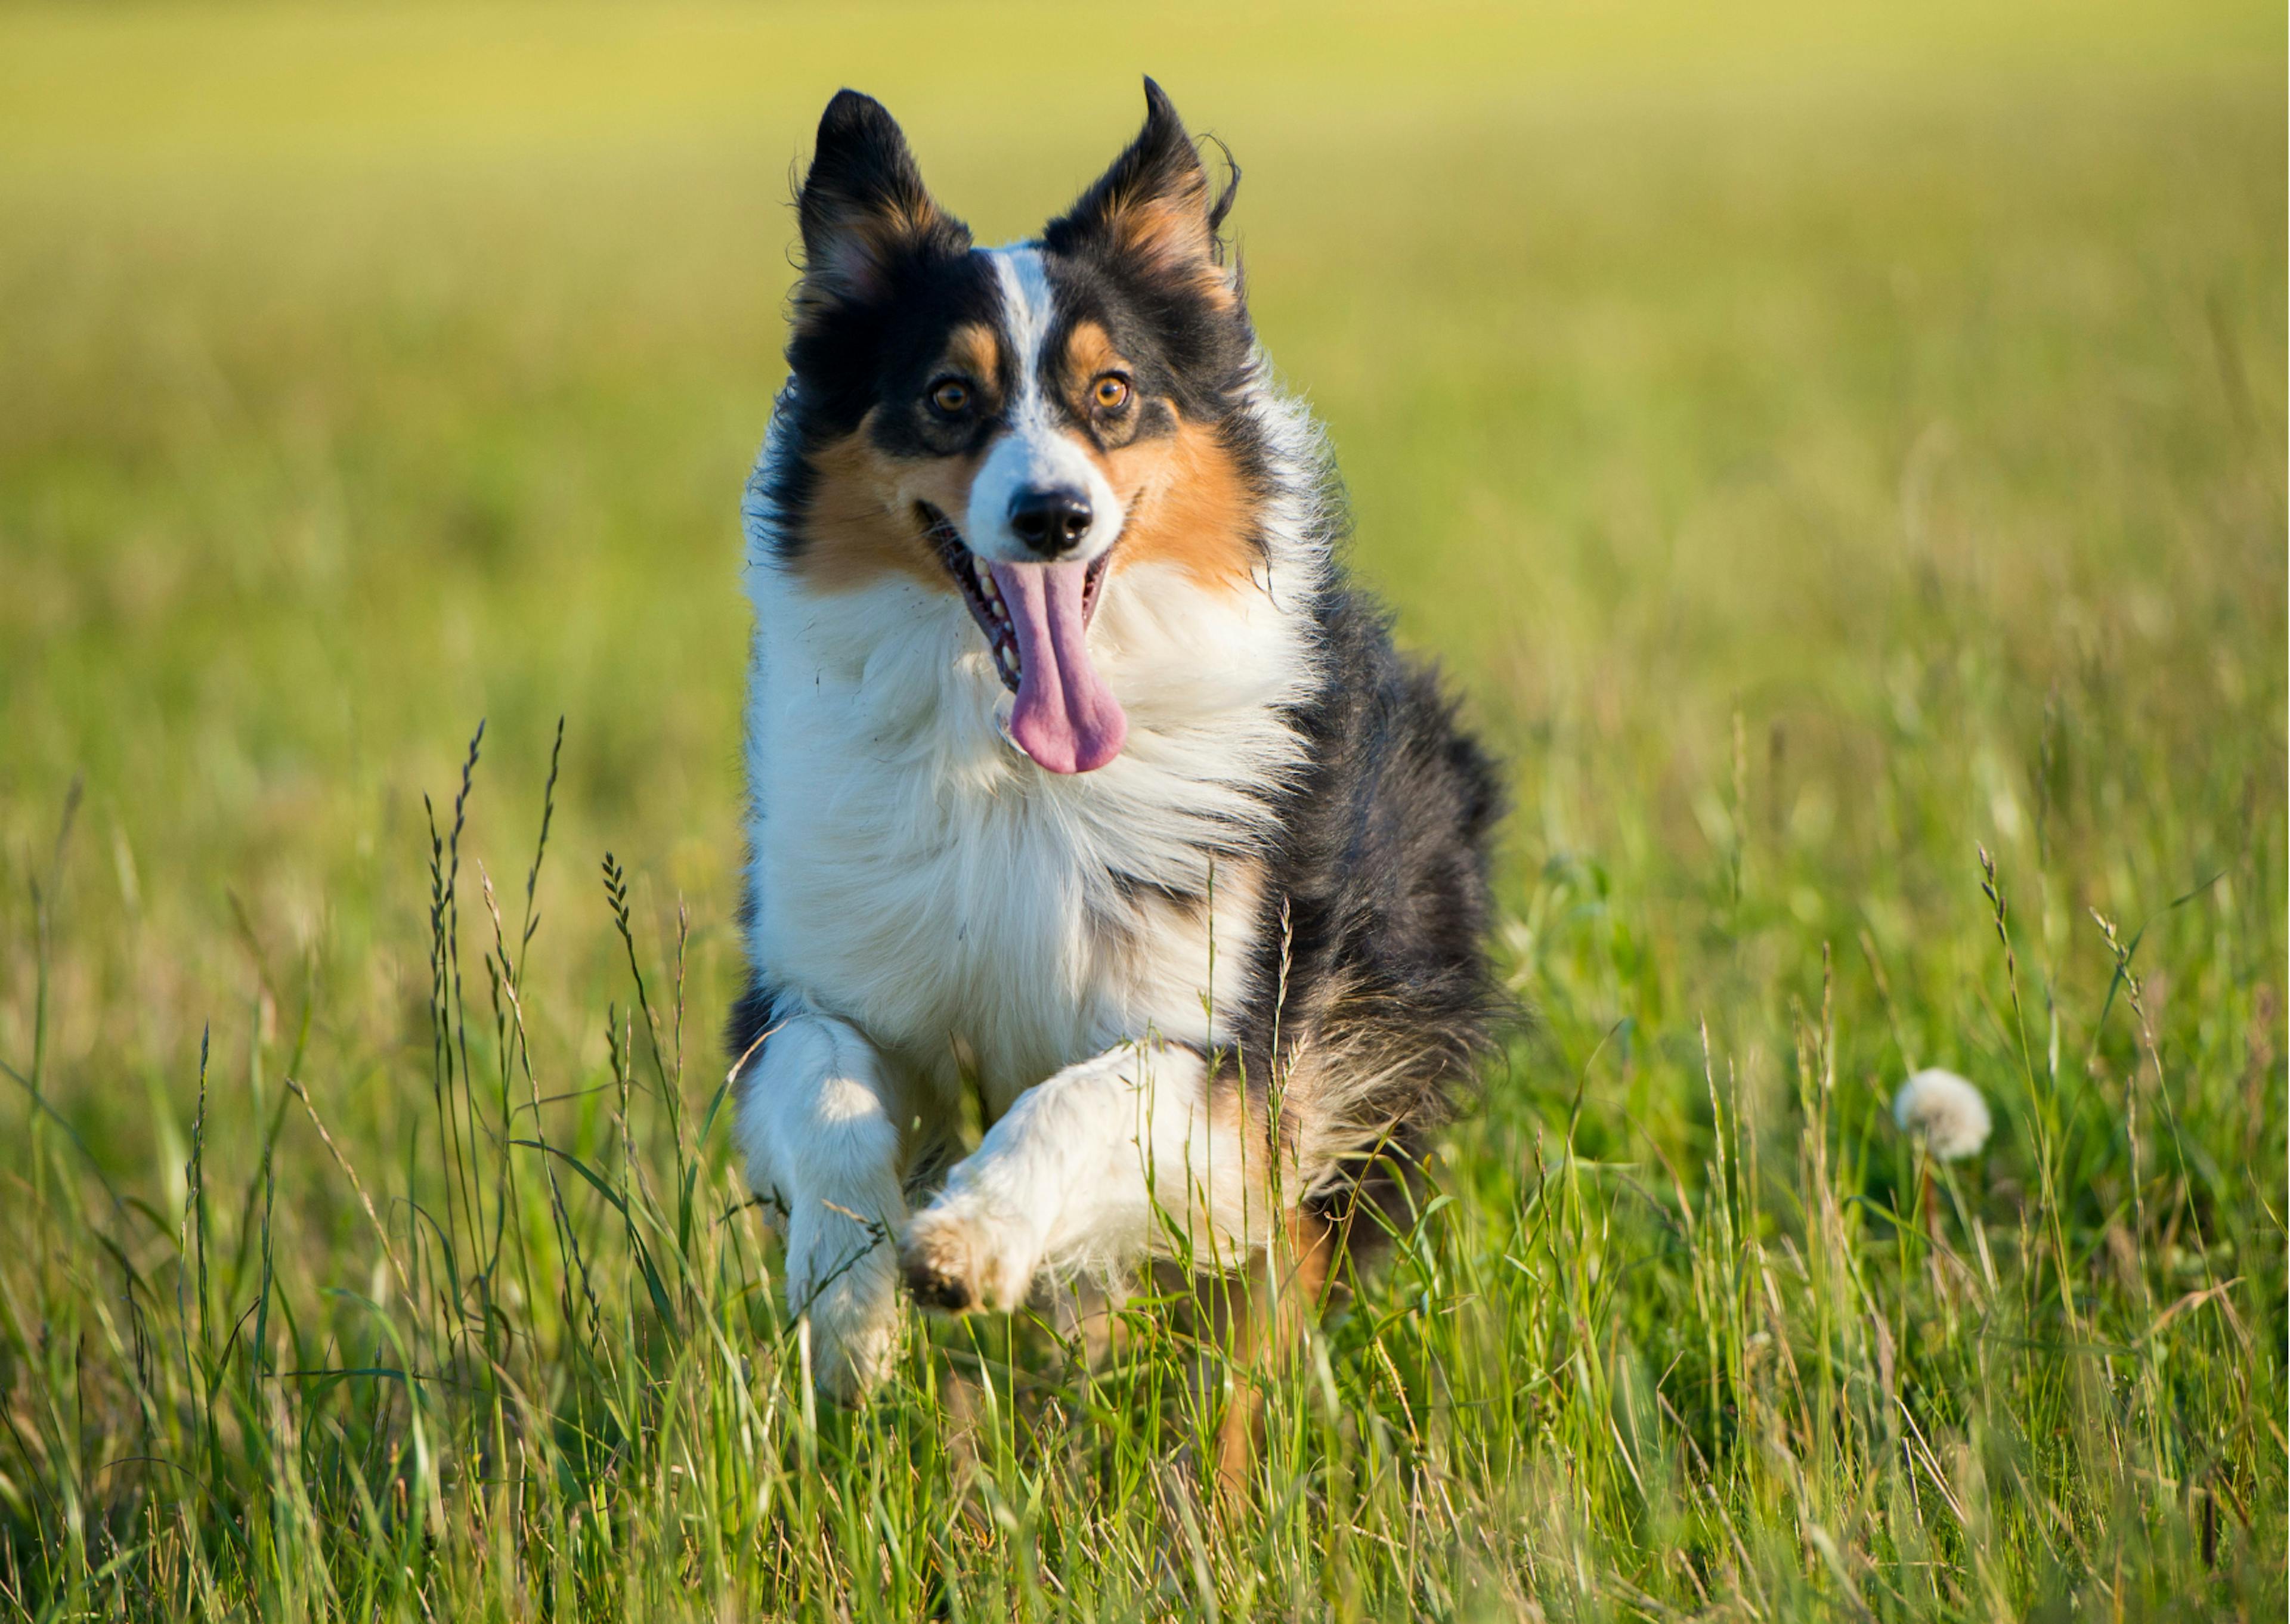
(1947, 1109)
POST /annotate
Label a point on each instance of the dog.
(1082, 783)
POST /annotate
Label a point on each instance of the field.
(1840, 452)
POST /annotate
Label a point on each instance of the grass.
(1837, 451)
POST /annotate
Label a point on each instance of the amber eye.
(950, 396)
(1111, 393)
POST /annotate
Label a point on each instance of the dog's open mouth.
(976, 582)
(1036, 620)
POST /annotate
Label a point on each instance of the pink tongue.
(1066, 718)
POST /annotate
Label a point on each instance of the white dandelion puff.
(1947, 1109)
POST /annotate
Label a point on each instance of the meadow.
(1838, 452)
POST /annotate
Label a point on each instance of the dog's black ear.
(1155, 206)
(864, 206)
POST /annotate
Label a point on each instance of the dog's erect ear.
(1155, 206)
(864, 206)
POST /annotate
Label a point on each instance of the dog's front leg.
(815, 1118)
(1139, 1150)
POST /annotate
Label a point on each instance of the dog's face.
(1021, 427)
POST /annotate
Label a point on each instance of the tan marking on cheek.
(1187, 506)
(943, 481)
(861, 529)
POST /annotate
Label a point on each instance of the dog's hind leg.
(1268, 1320)
(1131, 1154)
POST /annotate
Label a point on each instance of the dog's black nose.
(1050, 520)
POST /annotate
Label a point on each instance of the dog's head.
(1022, 426)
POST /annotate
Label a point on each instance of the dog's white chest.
(956, 926)
(960, 907)
(963, 908)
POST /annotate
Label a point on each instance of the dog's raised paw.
(958, 1257)
(934, 1289)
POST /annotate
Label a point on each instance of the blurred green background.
(372, 370)
(1821, 440)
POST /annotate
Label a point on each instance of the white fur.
(1035, 452)
(933, 905)
(816, 1122)
(1102, 1162)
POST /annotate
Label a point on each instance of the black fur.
(1377, 897)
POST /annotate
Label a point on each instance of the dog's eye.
(1111, 393)
(950, 398)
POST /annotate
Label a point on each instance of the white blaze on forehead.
(1035, 451)
(1027, 305)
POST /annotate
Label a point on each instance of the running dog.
(1082, 781)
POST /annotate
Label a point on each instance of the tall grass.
(1842, 463)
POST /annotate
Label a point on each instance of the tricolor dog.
(1082, 783)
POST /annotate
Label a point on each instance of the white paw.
(962, 1254)
(842, 1274)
